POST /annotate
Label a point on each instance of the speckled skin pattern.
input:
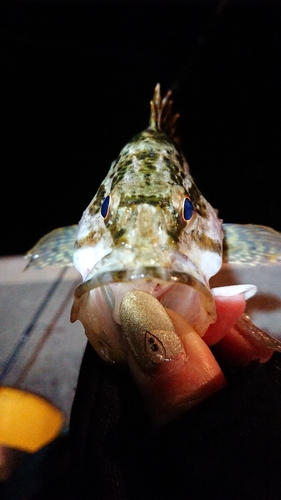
(251, 244)
(145, 227)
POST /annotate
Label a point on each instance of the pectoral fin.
(251, 244)
(252, 254)
(55, 248)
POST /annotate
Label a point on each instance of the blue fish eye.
(105, 207)
(188, 209)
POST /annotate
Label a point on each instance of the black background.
(78, 78)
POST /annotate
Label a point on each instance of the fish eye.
(105, 206)
(187, 209)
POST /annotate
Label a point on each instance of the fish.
(150, 230)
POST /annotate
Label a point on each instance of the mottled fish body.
(148, 228)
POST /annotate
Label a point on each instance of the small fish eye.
(187, 209)
(105, 206)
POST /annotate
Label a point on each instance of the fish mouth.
(97, 301)
(179, 287)
(163, 277)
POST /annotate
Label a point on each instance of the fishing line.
(25, 335)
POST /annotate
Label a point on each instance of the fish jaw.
(168, 275)
(97, 305)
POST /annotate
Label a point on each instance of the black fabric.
(229, 447)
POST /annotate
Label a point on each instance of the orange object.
(27, 421)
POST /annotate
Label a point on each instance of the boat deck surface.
(40, 349)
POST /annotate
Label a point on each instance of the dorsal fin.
(162, 116)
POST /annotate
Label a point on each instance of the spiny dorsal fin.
(162, 116)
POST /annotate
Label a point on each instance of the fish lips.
(180, 276)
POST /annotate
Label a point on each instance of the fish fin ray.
(55, 248)
(162, 115)
(251, 244)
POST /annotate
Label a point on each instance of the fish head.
(148, 228)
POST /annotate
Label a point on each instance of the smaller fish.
(149, 229)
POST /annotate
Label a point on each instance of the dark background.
(78, 78)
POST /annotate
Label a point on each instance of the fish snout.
(147, 222)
